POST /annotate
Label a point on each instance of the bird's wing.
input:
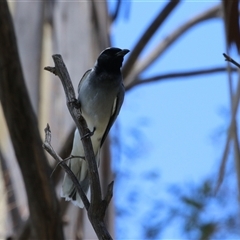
(115, 111)
(85, 75)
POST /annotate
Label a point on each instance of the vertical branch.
(23, 128)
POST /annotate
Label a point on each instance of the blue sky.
(172, 131)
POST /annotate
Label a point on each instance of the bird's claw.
(89, 134)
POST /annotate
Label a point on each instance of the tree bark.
(23, 129)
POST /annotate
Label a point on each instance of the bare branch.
(229, 59)
(47, 146)
(141, 65)
(24, 233)
(64, 160)
(154, 26)
(97, 208)
(166, 76)
(64, 152)
(42, 201)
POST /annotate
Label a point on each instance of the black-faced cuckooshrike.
(100, 95)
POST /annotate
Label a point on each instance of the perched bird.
(100, 95)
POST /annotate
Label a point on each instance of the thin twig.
(64, 152)
(229, 59)
(48, 147)
(175, 75)
(64, 160)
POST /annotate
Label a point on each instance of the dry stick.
(97, 208)
(47, 146)
(64, 160)
(64, 152)
(24, 233)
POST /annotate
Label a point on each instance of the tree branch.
(64, 152)
(23, 128)
(161, 17)
(166, 76)
(97, 208)
(47, 146)
(142, 65)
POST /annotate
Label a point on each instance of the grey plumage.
(100, 94)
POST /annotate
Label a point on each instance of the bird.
(100, 97)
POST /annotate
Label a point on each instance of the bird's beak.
(122, 52)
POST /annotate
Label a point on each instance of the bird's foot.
(89, 134)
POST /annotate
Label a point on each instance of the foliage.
(202, 214)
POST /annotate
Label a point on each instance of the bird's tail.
(69, 191)
(79, 168)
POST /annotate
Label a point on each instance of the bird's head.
(111, 59)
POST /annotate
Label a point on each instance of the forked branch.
(97, 207)
(48, 147)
